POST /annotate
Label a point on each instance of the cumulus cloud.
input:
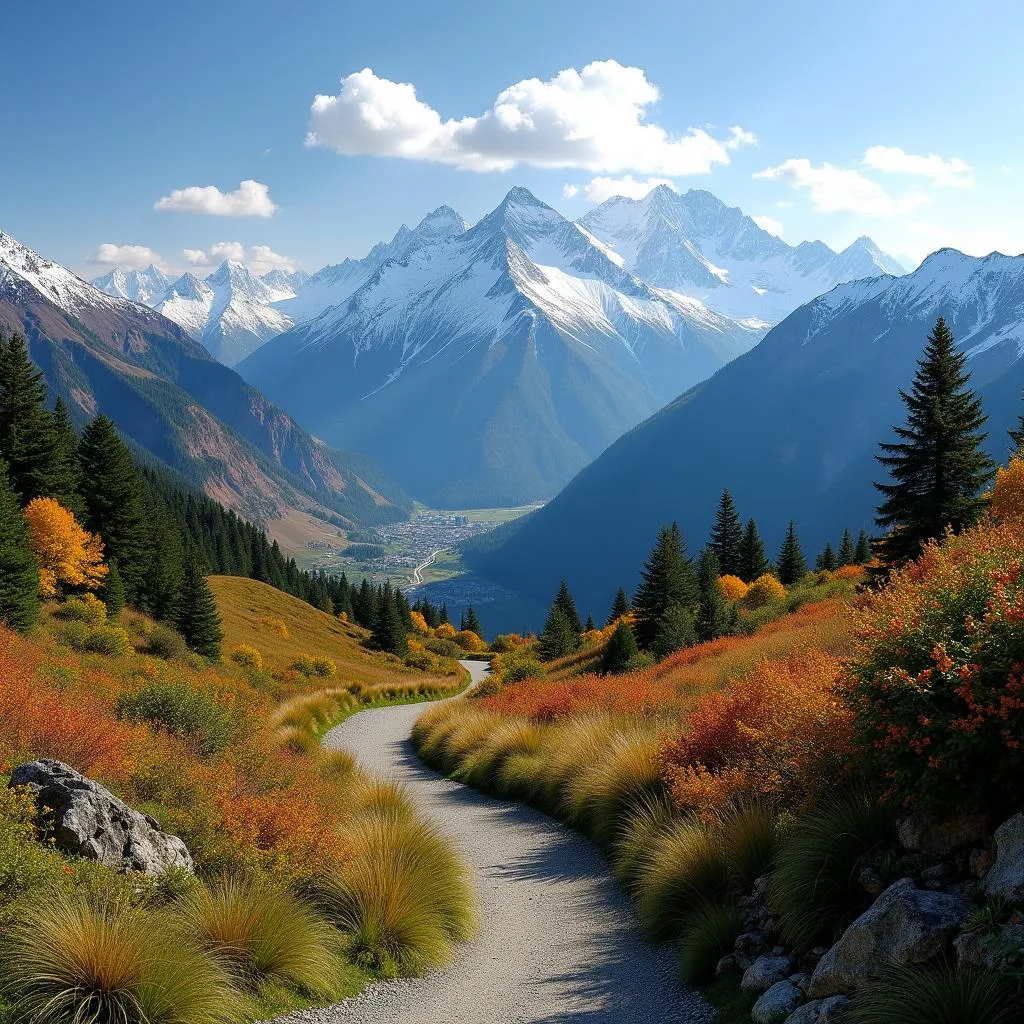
(129, 257)
(953, 173)
(597, 190)
(594, 119)
(769, 224)
(250, 199)
(260, 259)
(840, 190)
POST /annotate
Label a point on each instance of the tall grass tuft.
(648, 822)
(262, 933)
(70, 962)
(483, 767)
(940, 994)
(706, 936)
(404, 897)
(749, 832)
(812, 887)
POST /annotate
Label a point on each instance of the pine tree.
(937, 468)
(557, 638)
(565, 601)
(847, 552)
(676, 630)
(620, 650)
(443, 615)
(112, 592)
(826, 561)
(792, 564)
(28, 437)
(589, 626)
(19, 575)
(198, 620)
(667, 579)
(1017, 437)
(113, 502)
(712, 619)
(472, 622)
(753, 560)
(620, 607)
(162, 575)
(727, 536)
(862, 554)
(66, 477)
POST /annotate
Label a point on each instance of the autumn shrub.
(88, 609)
(469, 641)
(303, 664)
(937, 682)
(247, 656)
(423, 661)
(765, 590)
(262, 933)
(419, 623)
(446, 631)
(516, 666)
(733, 588)
(505, 642)
(164, 642)
(67, 555)
(1008, 492)
(194, 714)
(443, 648)
(277, 626)
(71, 961)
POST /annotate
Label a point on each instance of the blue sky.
(898, 120)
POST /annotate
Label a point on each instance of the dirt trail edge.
(558, 942)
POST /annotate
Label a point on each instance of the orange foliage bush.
(419, 623)
(1008, 493)
(446, 631)
(848, 572)
(732, 588)
(778, 732)
(468, 640)
(66, 553)
(764, 590)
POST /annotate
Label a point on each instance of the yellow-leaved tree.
(67, 554)
(1008, 493)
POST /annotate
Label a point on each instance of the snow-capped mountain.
(516, 349)
(146, 286)
(334, 284)
(285, 284)
(696, 245)
(807, 409)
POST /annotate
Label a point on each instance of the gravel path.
(558, 942)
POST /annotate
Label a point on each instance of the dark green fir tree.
(727, 537)
(620, 650)
(197, 618)
(676, 630)
(826, 560)
(588, 626)
(863, 552)
(112, 591)
(937, 467)
(19, 575)
(557, 639)
(620, 607)
(847, 554)
(667, 579)
(712, 619)
(753, 560)
(473, 621)
(566, 602)
(792, 564)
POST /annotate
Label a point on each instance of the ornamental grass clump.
(705, 937)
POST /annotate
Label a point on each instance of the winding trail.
(558, 942)
(417, 573)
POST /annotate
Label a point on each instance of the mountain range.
(791, 428)
(181, 409)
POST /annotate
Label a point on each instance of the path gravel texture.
(558, 942)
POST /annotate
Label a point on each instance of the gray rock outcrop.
(776, 1005)
(1006, 876)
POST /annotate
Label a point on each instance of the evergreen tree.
(557, 638)
(753, 560)
(565, 601)
(847, 552)
(727, 537)
(676, 630)
(1017, 437)
(472, 622)
(198, 620)
(792, 564)
(443, 615)
(389, 632)
(937, 468)
(66, 477)
(112, 592)
(620, 607)
(588, 626)
(862, 553)
(620, 650)
(162, 575)
(19, 575)
(28, 437)
(712, 619)
(826, 561)
(667, 579)
(113, 503)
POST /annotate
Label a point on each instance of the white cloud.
(260, 259)
(250, 199)
(129, 257)
(839, 190)
(769, 224)
(597, 190)
(594, 119)
(953, 173)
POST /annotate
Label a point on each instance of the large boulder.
(1006, 876)
(777, 1003)
(766, 971)
(87, 820)
(821, 1011)
(940, 837)
(905, 925)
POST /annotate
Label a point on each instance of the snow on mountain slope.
(285, 284)
(696, 245)
(521, 319)
(146, 286)
(188, 302)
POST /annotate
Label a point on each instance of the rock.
(749, 946)
(87, 820)
(982, 950)
(937, 876)
(810, 959)
(726, 964)
(905, 925)
(800, 980)
(980, 860)
(821, 1011)
(870, 881)
(777, 1003)
(765, 972)
(1006, 876)
(940, 837)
